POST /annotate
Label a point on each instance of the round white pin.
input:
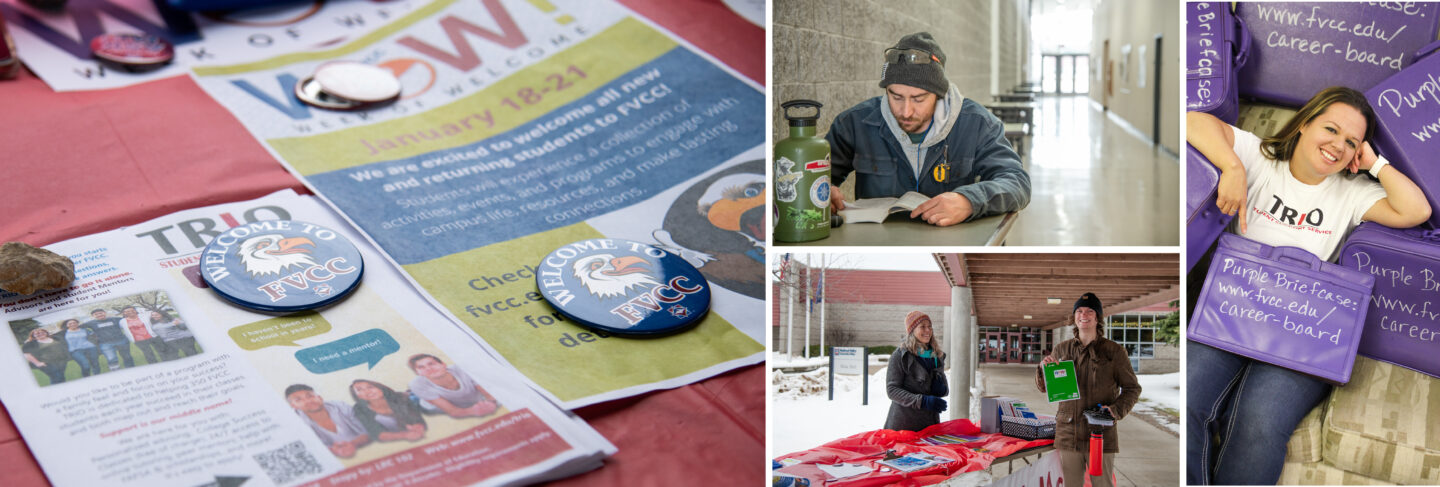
(357, 81)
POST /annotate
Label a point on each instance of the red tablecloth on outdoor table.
(869, 448)
(81, 163)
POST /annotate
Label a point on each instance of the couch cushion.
(1318, 473)
(1304, 445)
(1377, 425)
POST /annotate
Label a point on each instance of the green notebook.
(1060, 382)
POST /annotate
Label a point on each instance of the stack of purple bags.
(1282, 305)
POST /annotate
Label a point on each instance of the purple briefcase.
(1298, 49)
(1403, 325)
(1408, 108)
(1283, 306)
(1216, 46)
(1203, 220)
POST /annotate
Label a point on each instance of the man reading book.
(922, 135)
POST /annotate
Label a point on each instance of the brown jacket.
(1103, 372)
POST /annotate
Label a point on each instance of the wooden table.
(901, 230)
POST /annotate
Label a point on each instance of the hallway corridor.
(1094, 182)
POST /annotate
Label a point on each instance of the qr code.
(288, 463)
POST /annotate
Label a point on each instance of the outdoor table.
(1026, 455)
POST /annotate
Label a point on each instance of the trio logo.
(1291, 216)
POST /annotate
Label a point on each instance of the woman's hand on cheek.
(1364, 158)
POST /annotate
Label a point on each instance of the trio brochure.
(156, 380)
(521, 129)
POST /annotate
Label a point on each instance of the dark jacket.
(109, 330)
(982, 165)
(1103, 372)
(906, 380)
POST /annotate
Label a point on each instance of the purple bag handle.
(1297, 256)
(1425, 51)
(1244, 35)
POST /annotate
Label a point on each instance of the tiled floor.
(1096, 183)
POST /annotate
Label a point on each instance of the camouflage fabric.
(1263, 120)
(1318, 473)
(1382, 425)
(1304, 445)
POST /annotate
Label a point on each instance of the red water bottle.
(1097, 452)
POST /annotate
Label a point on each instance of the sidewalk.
(1148, 455)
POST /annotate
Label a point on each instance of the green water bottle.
(802, 179)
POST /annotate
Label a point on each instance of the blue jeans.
(110, 348)
(89, 360)
(1252, 406)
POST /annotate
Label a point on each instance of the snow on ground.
(778, 360)
(804, 418)
(1160, 391)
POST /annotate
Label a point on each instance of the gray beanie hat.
(928, 77)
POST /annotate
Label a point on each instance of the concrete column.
(974, 340)
(975, 364)
(962, 350)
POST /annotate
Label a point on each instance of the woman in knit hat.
(1103, 372)
(916, 380)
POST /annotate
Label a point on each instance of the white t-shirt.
(1282, 211)
(463, 397)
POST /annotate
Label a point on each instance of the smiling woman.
(1299, 188)
(915, 381)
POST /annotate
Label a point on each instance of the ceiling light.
(1052, 300)
(1028, 317)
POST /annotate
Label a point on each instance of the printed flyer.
(139, 375)
(55, 44)
(522, 127)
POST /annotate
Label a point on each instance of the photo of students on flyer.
(67, 345)
(437, 401)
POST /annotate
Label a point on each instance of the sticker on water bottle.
(820, 193)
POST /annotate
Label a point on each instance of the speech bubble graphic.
(366, 347)
(284, 330)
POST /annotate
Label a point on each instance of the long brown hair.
(1282, 145)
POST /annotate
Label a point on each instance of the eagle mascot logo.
(718, 226)
(607, 276)
(273, 254)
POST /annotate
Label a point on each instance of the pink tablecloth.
(80, 163)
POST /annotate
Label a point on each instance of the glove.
(932, 403)
(940, 387)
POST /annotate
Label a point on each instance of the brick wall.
(870, 325)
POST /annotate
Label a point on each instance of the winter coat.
(867, 140)
(906, 380)
(1104, 375)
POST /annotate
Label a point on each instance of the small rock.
(25, 269)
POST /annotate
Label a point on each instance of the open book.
(875, 210)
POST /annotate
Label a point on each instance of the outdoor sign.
(851, 361)
(848, 360)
